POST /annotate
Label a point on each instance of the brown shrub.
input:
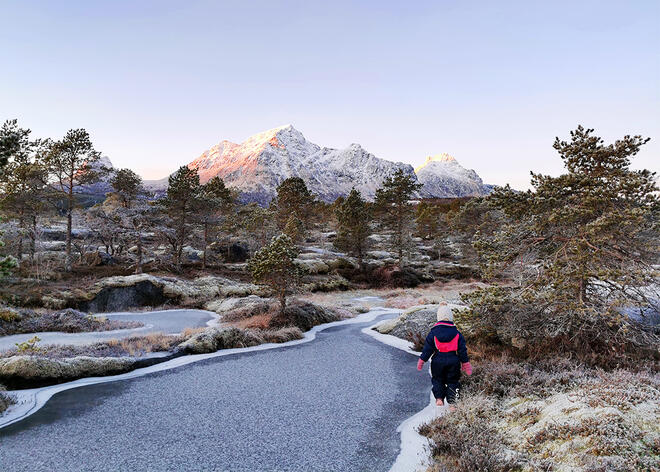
(467, 440)
(281, 335)
(262, 321)
(304, 316)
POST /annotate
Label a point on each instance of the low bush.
(214, 339)
(303, 316)
(281, 335)
(607, 338)
(467, 439)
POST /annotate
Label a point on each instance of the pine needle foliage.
(274, 266)
(584, 246)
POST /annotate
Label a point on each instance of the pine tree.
(354, 225)
(70, 162)
(294, 228)
(13, 141)
(257, 223)
(10, 140)
(23, 188)
(182, 197)
(214, 203)
(395, 210)
(293, 196)
(586, 243)
(274, 266)
(127, 185)
(427, 220)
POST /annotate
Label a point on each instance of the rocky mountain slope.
(443, 176)
(259, 164)
(102, 186)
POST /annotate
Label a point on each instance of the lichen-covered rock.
(313, 266)
(223, 305)
(23, 371)
(214, 339)
(133, 291)
(415, 320)
(379, 255)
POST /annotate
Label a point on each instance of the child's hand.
(420, 364)
(467, 368)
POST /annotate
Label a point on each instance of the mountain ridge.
(261, 162)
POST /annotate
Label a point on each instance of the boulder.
(214, 339)
(415, 320)
(233, 252)
(140, 290)
(139, 294)
(313, 266)
(223, 305)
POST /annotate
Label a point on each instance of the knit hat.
(445, 312)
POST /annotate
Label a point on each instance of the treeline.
(578, 252)
(40, 179)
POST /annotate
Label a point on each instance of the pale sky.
(492, 83)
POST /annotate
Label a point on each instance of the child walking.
(447, 346)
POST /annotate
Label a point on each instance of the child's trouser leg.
(452, 375)
(439, 389)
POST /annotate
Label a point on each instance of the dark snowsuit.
(447, 346)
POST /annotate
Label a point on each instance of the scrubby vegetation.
(13, 321)
(550, 415)
(566, 354)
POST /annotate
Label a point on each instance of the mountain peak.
(443, 157)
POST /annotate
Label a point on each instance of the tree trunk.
(33, 236)
(282, 297)
(21, 232)
(69, 225)
(206, 244)
(180, 237)
(583, 291)
(138, 266)
(359, 259)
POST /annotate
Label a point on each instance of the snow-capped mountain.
(104, 168)
(259, 164)
(443, 176)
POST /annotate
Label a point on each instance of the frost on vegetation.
(25, 368)
(202, 288)
(5, 400)
(567, 418)
(67, 321)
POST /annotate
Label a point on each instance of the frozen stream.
(166, 321)
(330, 402)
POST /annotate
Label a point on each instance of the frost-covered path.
(332, 404)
